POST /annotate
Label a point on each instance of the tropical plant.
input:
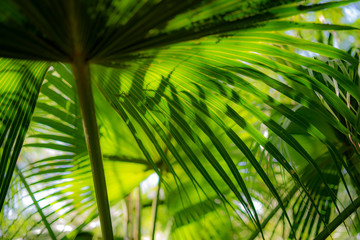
(253, 133)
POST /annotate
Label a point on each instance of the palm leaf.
(47, 180)
(189, 79)
(20, 85)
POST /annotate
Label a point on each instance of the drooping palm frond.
(306, 224)
(190, 79)
(18, 99)
(200, 87)
(60, 185)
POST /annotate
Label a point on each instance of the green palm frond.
(57, 117)
(211, 95)
(20, 85)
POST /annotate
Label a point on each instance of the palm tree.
(249, 137)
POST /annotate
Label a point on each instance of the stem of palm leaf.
(83, 83)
